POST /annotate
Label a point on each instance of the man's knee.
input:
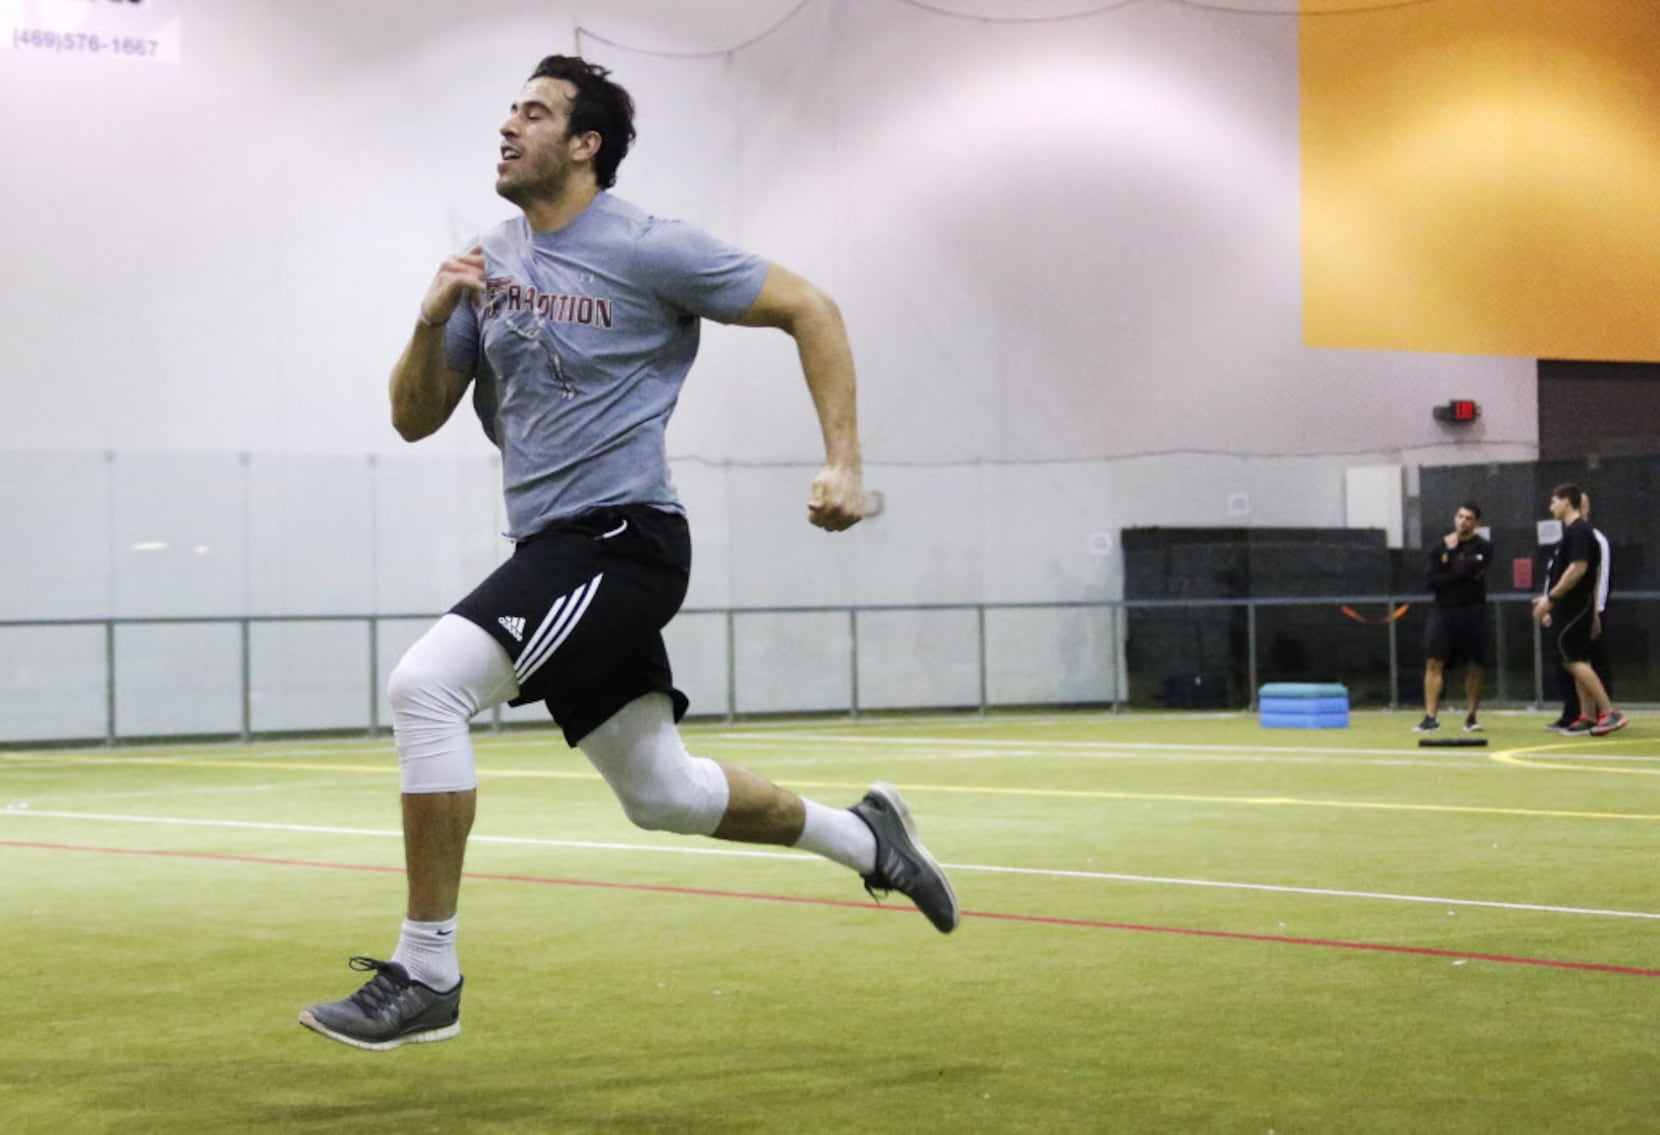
(435, 689)
(690, 802)
(417, 691)
(450, 673)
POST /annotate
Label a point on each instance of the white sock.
(427, 951)
(838, 835)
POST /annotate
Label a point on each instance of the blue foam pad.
(1305, 721)
(1303, 690)
(1304, 706)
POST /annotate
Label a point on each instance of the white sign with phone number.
(134, 30)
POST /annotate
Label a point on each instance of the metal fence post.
(109, 682)
(247, 680)
(980, 619)
(1498, 652)
(1394, 658)
(374, 676)
(1117, 655)
(731, 665)
(1538, 665)
(853, 659)
(1251, 652)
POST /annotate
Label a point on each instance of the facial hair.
(545, 181)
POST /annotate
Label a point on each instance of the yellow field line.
(1277, 801)
(1512, 757)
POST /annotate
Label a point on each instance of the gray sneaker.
(902, 863)
(391, 1010)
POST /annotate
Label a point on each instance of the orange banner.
(1482, 177)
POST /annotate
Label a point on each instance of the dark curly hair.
(600, 106)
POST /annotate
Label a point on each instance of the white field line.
(947, 753)
(962, 747)
(969, 720)
(1060, 746)
(995, 719)
(775, 757)
(1108, 750)
(132, 758)
(29, 802)
(1381, 896)
(803, 857)
(11, 811)
(778, 755)
(774, 735)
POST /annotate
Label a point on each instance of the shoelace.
(878, 880)
(887, 878)
(382, 989)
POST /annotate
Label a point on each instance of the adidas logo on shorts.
(515, 626)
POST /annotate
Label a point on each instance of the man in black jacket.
(1457, 627)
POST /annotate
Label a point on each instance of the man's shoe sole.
(423, 1036)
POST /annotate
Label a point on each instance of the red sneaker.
(1607, 723)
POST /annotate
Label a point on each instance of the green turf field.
(1171, 925)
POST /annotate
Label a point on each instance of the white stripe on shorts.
(561, 619)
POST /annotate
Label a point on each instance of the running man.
(575, 324)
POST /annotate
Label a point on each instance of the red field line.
(997, 916)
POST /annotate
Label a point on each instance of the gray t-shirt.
(579, 347)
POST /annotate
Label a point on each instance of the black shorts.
(1455, 635)
(1573, 633)
(580, 608)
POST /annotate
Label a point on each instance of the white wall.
(1070, 239)
(1068, 252)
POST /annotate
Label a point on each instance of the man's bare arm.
(1570, 579)
(811, 318)
(425, 389)
(1572, 575)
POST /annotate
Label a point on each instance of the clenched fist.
(838, 500)
(457, 276)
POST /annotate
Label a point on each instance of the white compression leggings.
(457, 670)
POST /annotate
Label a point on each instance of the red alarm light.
(1460, 411)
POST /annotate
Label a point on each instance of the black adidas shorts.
(580, 608)
(1455, 635)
